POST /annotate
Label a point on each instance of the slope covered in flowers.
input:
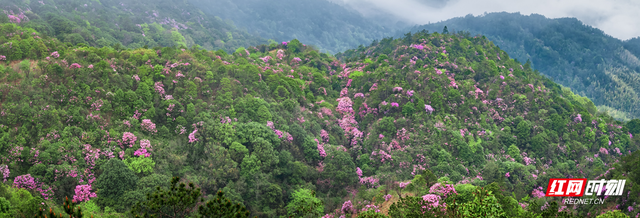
(274, 125)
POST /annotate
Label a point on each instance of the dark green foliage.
(115, 180)
(222, 207)
(178, 200)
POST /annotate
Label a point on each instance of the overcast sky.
(618, 18)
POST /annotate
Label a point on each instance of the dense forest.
(329, 26)
(575, 55)
(129, 24)
(424, 125)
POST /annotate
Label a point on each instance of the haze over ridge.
(617, 18)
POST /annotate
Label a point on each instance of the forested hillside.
(590, 62)
(441, 122)
(330, 27)
(132, 24)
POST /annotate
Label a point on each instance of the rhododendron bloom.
(129, 138)
(55, 54)
(4, 169)
(147, 125)
(428, 108)
(324, 135)
(136, 77)
(25, 181)
(359, 171)
(394, 104)
(501, 77)
(347, 207)
(83, 193)
(75, 66)
(321, 149)
(192, 136)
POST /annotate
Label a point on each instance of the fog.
(618, 18)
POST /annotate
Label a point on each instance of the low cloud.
(618, 18)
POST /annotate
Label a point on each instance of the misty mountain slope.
(327, 25)
(275, 126)
(575, 55)
(133, 24)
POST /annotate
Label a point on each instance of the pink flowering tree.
(129, 139)
(4, 170)
(25, 181)
(83, 193)
(148, 126)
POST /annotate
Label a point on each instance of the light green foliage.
(484, 204)
(613, 214)
(304, 204)
(140, 164)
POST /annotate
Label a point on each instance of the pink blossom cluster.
(75, 66)
(358, 95)
(280, 54)
(604, 151)
(538, 193)
(55, 54)
(370, 181)
(170, 108)
(149, 126)
(4, 169)
(136, 77)
(344, 92)
(296, 60)
(418, 46)
(359, 171)
(438, 71)
(83, 193)
(387, 197)
(410, 93)
(371, 207)
(288, 137)
(397, 89)
(443, 190)
(402, 134)
(129, 139)
(25, 181)
(192, 136)
(225, 120)
(144, 145)
(528, 161)
(428, 108)
(395, 104)
(432, 200)
(158, 87)
(321, 148)
(373, 87)
(3, 58)
(97, 104)
(324, 135)
(347, 207)
(404, 184)
(383, 155)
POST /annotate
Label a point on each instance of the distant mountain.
(133, 24)
(578, 56)
(331, 27)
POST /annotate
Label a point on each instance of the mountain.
(133, 24)
(575, 55)
(284, 130)
(329, 26)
